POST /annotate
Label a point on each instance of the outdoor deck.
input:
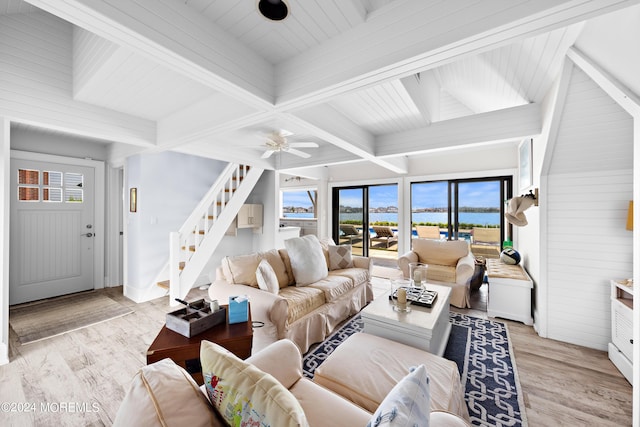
(380, 251)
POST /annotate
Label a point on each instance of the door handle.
(87, 234)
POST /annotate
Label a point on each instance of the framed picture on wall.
(524, 163)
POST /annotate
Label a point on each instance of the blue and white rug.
(484, 356)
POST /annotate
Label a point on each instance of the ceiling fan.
(276, 142)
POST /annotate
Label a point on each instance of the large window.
(366, 217)
(299, 203)
(471, 210)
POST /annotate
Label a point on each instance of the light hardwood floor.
(91, 368)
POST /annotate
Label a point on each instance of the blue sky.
(427, 195)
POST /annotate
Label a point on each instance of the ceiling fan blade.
(267, 154)
(302, 144)
(299, 153)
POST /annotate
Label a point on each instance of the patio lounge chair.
(485, 242)
(384, 234)
(428, 232)
(351, 233)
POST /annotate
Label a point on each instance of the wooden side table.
(237, 338)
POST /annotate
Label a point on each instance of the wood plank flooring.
(79, 379)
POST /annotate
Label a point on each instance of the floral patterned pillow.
(243, 394)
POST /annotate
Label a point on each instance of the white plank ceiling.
(355, 76)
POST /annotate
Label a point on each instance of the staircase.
(196, 241)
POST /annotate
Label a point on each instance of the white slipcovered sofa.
(297, 302)
(269, 389)
(450, 263)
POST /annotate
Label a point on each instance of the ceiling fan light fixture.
(273, 10)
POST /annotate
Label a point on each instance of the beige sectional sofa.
(304, 313)
(266, 388)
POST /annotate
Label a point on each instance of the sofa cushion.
(241, 269)
(287, 263)
(325, 242)
(307, 259)
(333, 286)
(442, 252)
(301, 301)
(339, 257)
(441, 273)
(407, 404)
(273, 256)
(163, 394)
(342, 371)
(243, 394)
(266, 277)
(357, 275)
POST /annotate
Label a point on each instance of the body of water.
(477, 218)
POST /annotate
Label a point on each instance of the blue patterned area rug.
(484, 356)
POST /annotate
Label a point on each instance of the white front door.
(52, 230)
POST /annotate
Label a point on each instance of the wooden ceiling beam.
(496, 126)
(330, 125)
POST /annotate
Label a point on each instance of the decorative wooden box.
(195, 318)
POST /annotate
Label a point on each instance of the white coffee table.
(424, 328)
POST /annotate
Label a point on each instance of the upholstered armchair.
(449, 262)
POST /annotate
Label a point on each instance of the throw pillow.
(164, 394)
(267, 279)
(407, 404)
(241, 269)
(340, 257)
(307, 260)
(243, 394)
(441, 252)
(278, 265)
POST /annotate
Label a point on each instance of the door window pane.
(52, 178)
(73, 192)
(52, 195)
(28, 176)
(351, 219)
(28, 194)
(430, 209)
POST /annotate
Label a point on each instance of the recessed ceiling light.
(273, 10)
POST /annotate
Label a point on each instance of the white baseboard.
(143, 295)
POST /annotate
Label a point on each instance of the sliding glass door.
(471, 210)
(366, 217)
(349, 218)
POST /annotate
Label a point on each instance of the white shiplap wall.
(590, 184)
(36, 83)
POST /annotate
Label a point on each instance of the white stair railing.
(192, 246)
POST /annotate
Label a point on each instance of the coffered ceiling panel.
(309, 23)
(365, 79)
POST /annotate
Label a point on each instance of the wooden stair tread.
(192, 248)
(164, 284)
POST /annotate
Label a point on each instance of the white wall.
(589, 183)
(58, 144)
(169, 186)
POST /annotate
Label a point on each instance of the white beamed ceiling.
(369, 80)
